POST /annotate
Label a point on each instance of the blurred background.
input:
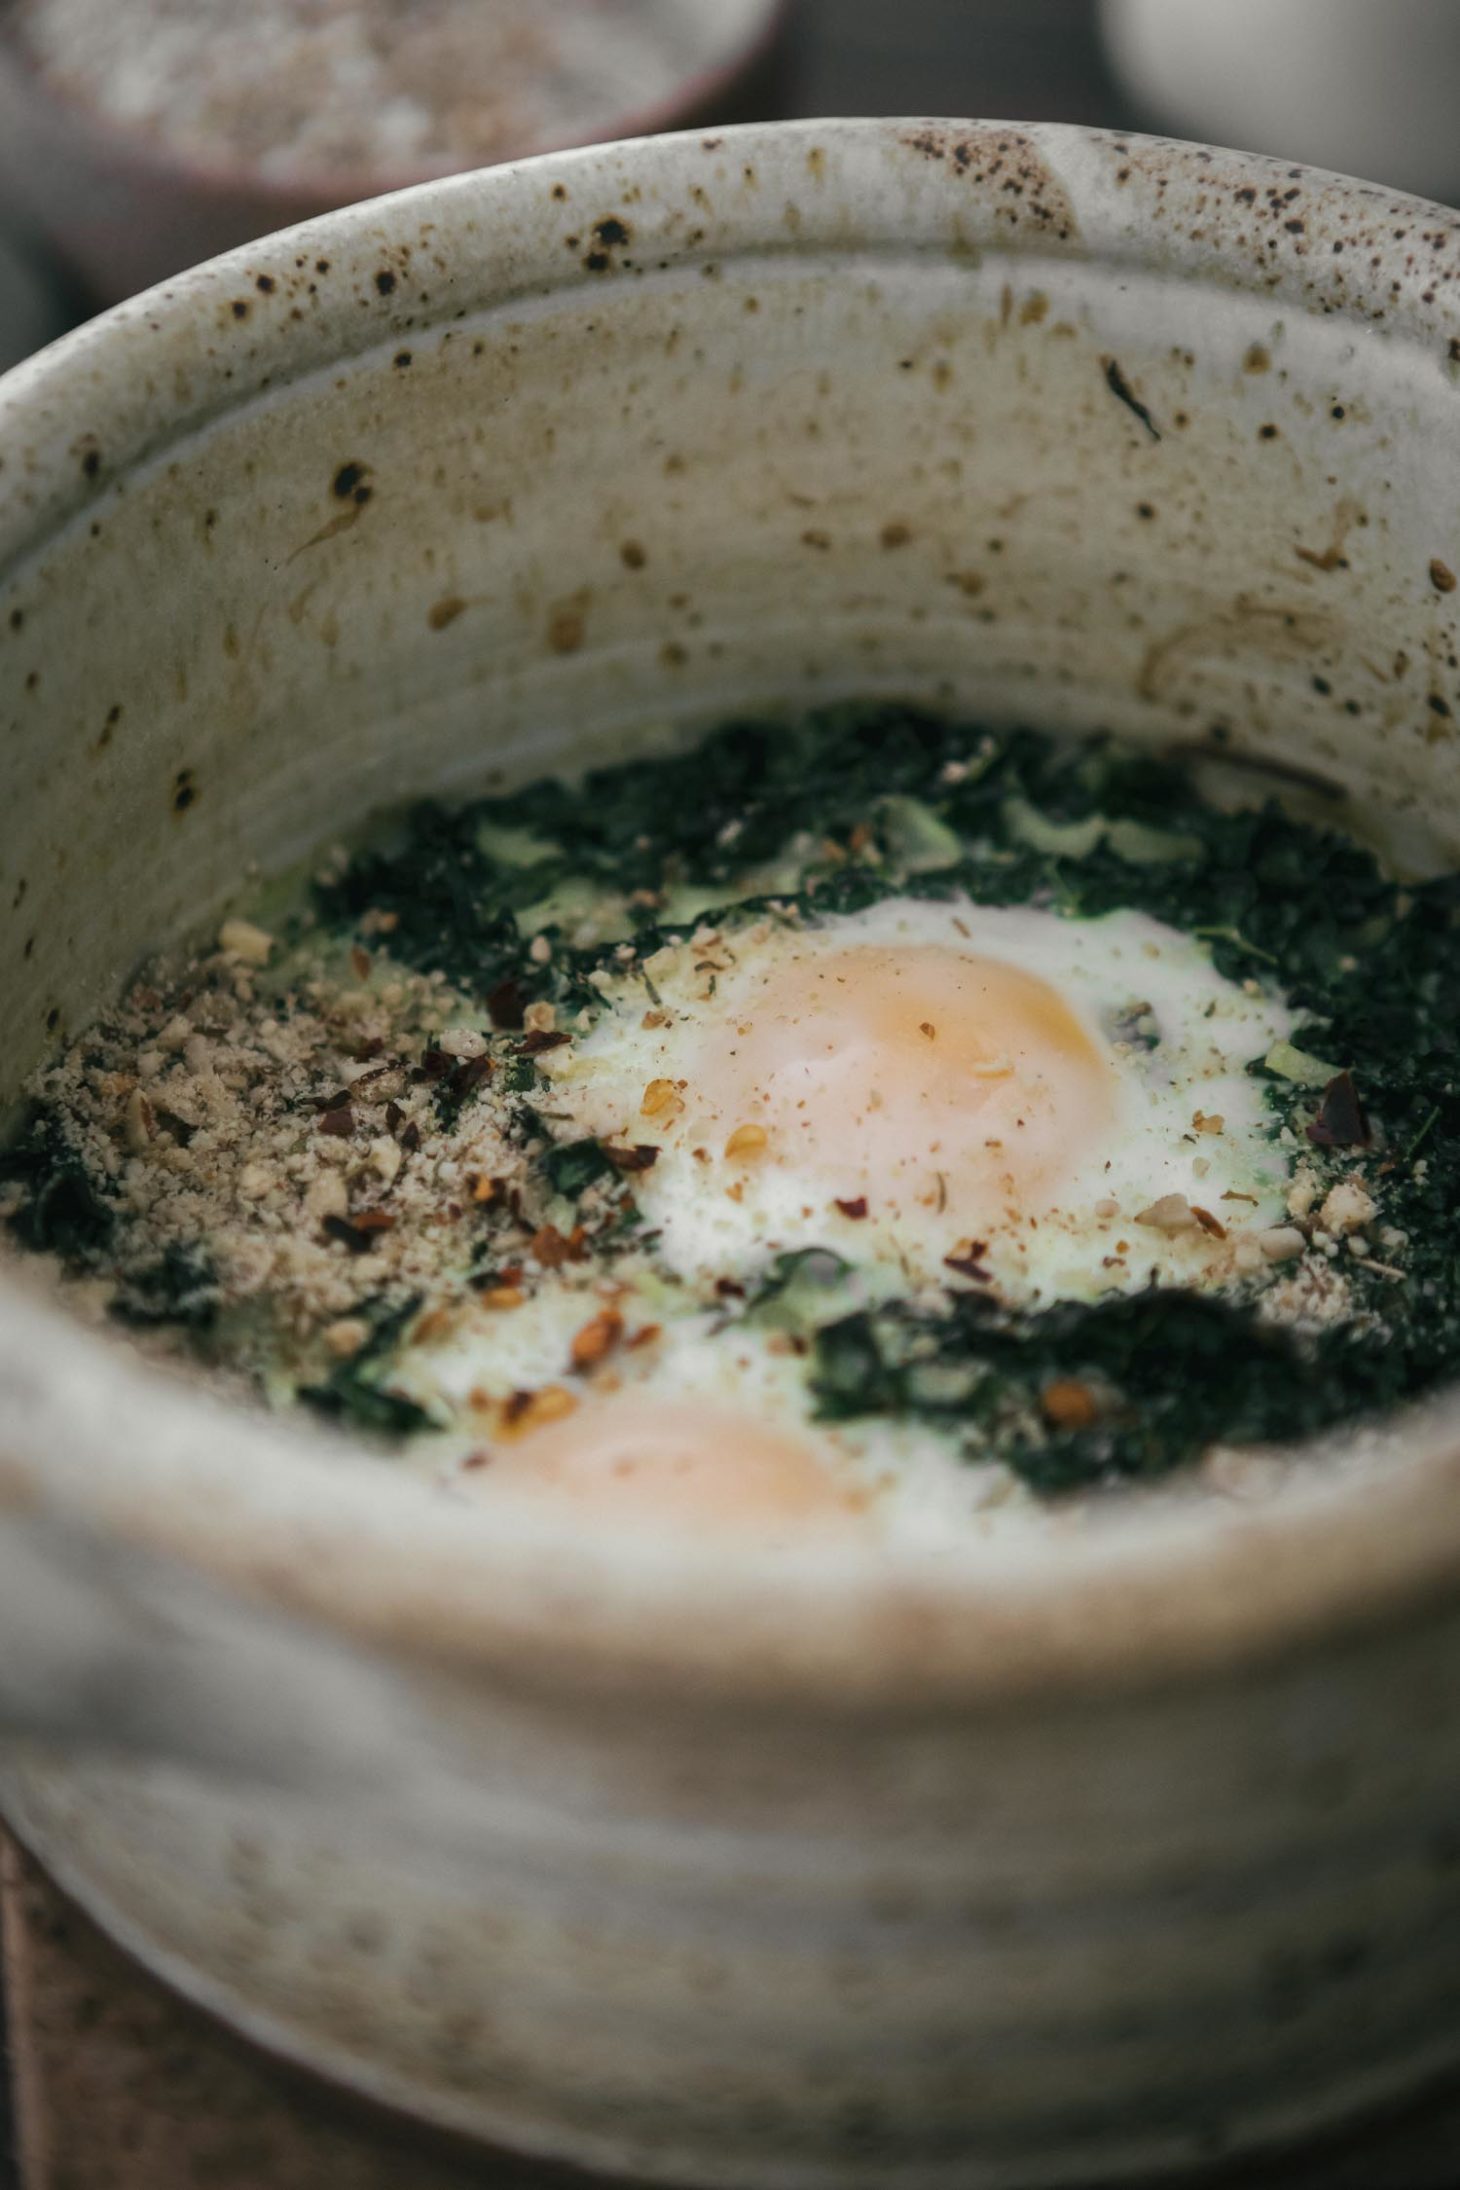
(137, 136)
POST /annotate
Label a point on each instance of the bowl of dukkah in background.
(729, 1446)
(139, 136)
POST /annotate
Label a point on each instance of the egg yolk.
(896, 1069)
(673, 1460)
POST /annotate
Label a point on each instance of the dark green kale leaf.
(798, 1288)
(571, 1167)
(1174, 1372)
(180, 1288)
(353, 1390)
(446, 896)
(64, 1211)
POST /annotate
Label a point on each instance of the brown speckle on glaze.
(445, 611)
(568, 625)
(184, 791)
(609, 235)
(1009, 165)
(348, 481)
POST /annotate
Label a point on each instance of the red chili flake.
(1342, 1121)
(644, 1336)
(857, 1208)
(641, 1157)
(491, 1281)
(728, 1289)
(410, 1139)
(550, 1247)
(394, 1117)
(515, 1406)
(971, 1264)
(374, 1220)
(469, 1075)
(505, 1003)
(1208, 1222)
(353, 1236)
(434, 1065)
(339, 1123)
(533, 1045)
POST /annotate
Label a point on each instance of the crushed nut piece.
(386, 1158)
(241, 939)
(1172, 1213)
(597, 1339)
(524, 1412)
(462, 1042)
(346, 1336)
(139, 1124)
(1347, 1207)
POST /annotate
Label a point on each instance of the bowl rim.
(288, 197)
(1171, 1594)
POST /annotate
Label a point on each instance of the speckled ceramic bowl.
(1108, 1852)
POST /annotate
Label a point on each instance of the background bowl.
(1010, 1867)
(124, 209)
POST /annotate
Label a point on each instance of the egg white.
(1179, 1115)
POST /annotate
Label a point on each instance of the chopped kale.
(799, 1288)
(444, 894)
(571, 1167)
(1159, 1364)
(180, 1288)
(354, 1389)
(64, 1211)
